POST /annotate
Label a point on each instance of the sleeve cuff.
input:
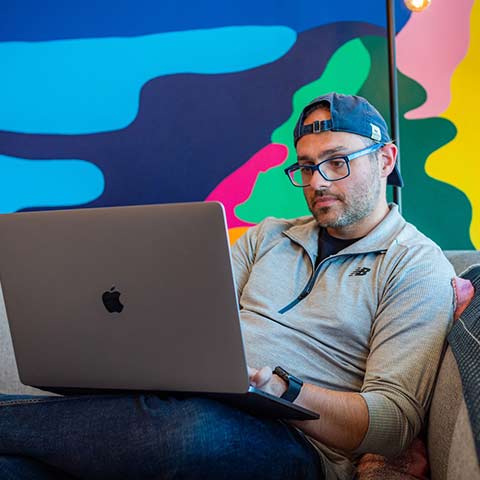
(388, 429)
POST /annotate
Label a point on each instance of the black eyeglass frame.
(317, 168)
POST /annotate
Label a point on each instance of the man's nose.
(317, 181)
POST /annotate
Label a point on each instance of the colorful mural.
(456, 163)
(143, 102)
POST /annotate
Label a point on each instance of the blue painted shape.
(34, 20)
(85, 86)
(26, 183)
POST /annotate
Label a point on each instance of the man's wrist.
(280, 386)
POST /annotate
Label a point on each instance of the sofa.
(449, 439)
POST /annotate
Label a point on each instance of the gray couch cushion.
(451, 448)
(461, 459)
(9, 381)
(443, 415)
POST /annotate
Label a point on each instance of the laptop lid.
(137, 297)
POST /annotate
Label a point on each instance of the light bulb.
(417, 5)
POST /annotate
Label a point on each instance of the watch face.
(281, 373)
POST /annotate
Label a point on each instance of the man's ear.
(388, 157)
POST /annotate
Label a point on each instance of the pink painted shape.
(238, 186)
(430, 47)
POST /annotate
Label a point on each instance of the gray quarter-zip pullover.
(371, 319)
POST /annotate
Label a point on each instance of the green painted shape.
(439, 210)
(273, 194)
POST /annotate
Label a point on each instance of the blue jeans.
(146, 437)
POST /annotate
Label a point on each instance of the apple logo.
(111, 300)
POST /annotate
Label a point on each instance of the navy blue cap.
(351, 114)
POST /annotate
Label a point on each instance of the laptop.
(135, 298)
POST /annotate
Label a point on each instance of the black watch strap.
(294, 384)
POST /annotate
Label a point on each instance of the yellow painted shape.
(458, 162)
(235, 233)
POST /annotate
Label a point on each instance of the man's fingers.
(261, 377)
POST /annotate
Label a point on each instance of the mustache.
(326, 193)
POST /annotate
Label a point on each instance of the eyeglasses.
(332, 169)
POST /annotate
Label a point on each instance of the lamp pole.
(393, 91)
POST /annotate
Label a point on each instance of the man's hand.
(265, 380)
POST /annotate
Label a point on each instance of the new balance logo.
(360, 271)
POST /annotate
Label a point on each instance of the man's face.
(345, 207)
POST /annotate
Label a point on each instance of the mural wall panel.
(108, 103)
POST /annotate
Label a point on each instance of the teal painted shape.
(93, 85)
(47, 183)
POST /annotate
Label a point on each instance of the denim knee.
(207, 439)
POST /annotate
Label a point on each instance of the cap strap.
(315, 127)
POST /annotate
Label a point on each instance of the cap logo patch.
(376, 133)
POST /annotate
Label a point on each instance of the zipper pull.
(303, 294)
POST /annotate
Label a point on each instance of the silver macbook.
(128, 298)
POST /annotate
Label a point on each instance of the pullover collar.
(378, 239)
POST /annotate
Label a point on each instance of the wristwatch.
(294, 384)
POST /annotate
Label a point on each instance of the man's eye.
(338, 164)
(305, 169)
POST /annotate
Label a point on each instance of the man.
(342, 300)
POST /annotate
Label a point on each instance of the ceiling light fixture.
(417, 5)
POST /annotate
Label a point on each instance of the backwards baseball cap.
(352, 114)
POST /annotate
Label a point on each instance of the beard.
(351, 207)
